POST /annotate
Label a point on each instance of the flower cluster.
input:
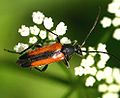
(42, 36)
(111, 87)
(113, 8)
(97, 71)
(87, 65)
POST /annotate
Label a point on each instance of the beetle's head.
(77, 49)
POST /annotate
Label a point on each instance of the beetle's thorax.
(67, 49)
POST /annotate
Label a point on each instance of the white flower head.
(116, 75)
(116, 21)
(43, 34)
(34, 30)
(101, 64)
(38, 17)
(93, 71)
(48, 23)
(109, 79)
(107, 72)
(101, 47)
(110, 95)
(89, 61)
(24, 31)
(79, 71)
(104, 57)
(52, 36)
(117, 14)
(33, 40)
(116, 34)
(65, 40)
(106, 22)
(113, 7)
(100, 75)
(20, 47)
(114, 88)
(103, 88)
(90, 81)
(61, 29)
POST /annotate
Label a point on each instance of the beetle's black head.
(77, 49)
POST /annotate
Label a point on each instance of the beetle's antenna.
(96, 21)
(54, 34)
(103, 53)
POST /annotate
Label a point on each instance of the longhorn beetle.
(52, 53)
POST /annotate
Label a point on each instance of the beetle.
(52, 53)
(47, 54)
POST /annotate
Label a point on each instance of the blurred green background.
(57, 81)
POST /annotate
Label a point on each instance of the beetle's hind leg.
(33, 45)
(11, 51)
(43, 69)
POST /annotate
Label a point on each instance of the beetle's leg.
(35, 45)
(11, 51)
(66, 62)
(43, 69)
(21, 51)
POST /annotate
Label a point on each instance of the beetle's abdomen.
(49, 48)
(42, 56)
(55, 57)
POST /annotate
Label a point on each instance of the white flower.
(89, 61)
(113, 7)
(65, 40)
(116, 34)
(61, 29)
(52, 36)
(116, 75)
(101, 47)
(104, 57)
(100, 75)
(113, 88)
(48, 23)
(101, 64)
(109, 79)
(20, 47)
(117, 14)
(93, 71)
(24, 31)
(110, 95)
(79, 71)
(107, 72)
(90, 81)
(116, 21)
(43, 34)
(34, 30)
(102, 88)
(106, 22)
(32, 40)
(38, 17)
